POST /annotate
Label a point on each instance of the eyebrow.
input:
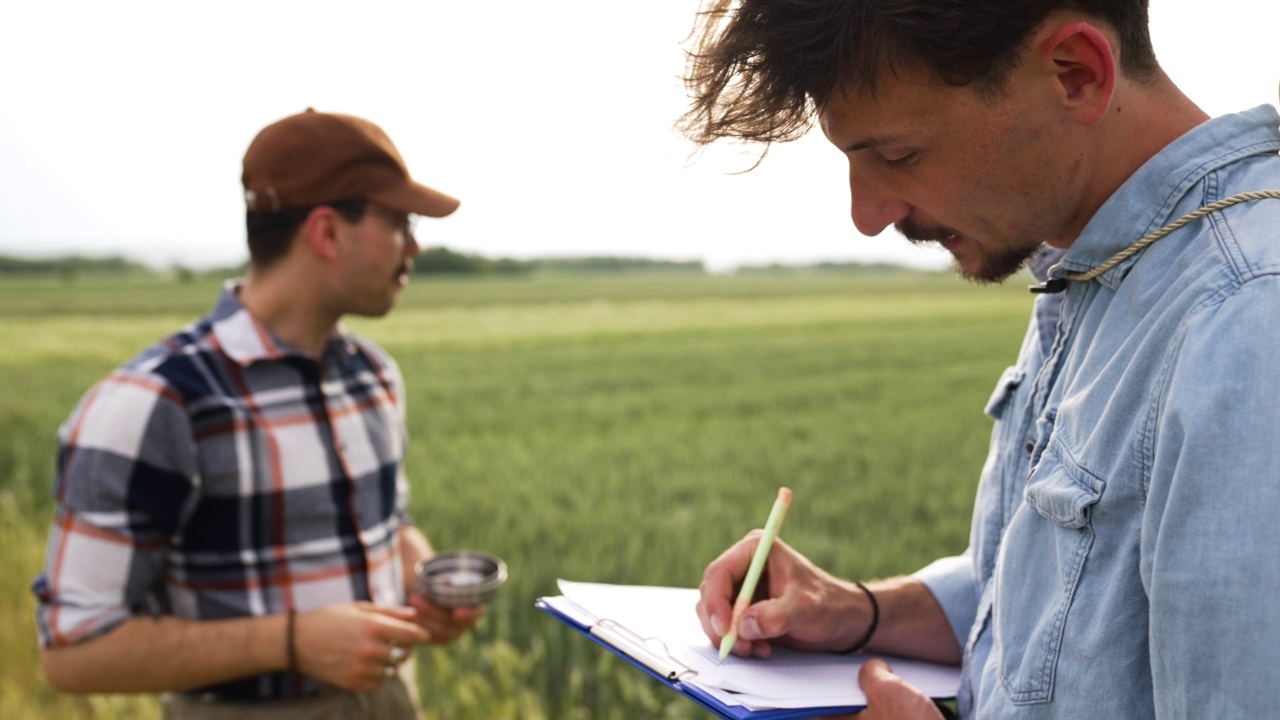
(873, 141)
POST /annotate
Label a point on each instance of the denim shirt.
(1125, 551)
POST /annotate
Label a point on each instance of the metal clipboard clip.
(650, 652)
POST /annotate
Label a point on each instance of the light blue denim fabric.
(1125, 552)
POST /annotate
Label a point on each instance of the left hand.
(889, 697)
(444, 625)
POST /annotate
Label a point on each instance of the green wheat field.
(602, 428)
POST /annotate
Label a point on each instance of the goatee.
(997, 265)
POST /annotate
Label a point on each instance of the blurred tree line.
(70, 267)
(444, 260)
(433, 260)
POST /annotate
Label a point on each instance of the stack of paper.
(658, 628)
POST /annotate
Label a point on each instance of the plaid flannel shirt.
(222, 474)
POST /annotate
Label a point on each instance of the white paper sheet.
(788, 679)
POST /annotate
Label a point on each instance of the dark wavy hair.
(270, 234)
(759, 69)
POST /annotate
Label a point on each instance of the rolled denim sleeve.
(954, 586)
(1208, 550)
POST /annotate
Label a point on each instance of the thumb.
(876, 678)
(889, 696)
(399, 612)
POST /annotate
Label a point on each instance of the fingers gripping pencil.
(748, 590)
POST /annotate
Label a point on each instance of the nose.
(411, 246)
(873, 205)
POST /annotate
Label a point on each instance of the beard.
(996, 266)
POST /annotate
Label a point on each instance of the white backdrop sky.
(122, 124)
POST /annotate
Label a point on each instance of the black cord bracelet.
(875, 620)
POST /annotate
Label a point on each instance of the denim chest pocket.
(1042, 558)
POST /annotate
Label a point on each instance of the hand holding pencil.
(758, 560)
(797, 603)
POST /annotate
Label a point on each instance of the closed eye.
(901, 162)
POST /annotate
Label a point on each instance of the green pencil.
(748, 590)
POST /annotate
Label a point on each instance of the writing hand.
(800, 604)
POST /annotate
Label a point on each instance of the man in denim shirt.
(1121, 562)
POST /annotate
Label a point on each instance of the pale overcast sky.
(122, 124)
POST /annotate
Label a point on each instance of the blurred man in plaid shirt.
(231, 526)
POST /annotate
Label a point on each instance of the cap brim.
(416, 199)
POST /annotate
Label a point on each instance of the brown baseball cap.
(314, 158)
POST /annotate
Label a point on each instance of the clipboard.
(651, 656)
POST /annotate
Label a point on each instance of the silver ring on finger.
(396, 655)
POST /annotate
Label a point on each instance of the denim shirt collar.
(1130, 213)
(1043, 261)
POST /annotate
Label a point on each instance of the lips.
(924, 234)
(949, 241)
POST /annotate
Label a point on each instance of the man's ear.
(320, 232)
(1079, 57)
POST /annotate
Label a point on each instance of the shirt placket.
(333, 373)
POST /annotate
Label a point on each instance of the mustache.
(918, 233)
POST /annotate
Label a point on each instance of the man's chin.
(992, 269)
